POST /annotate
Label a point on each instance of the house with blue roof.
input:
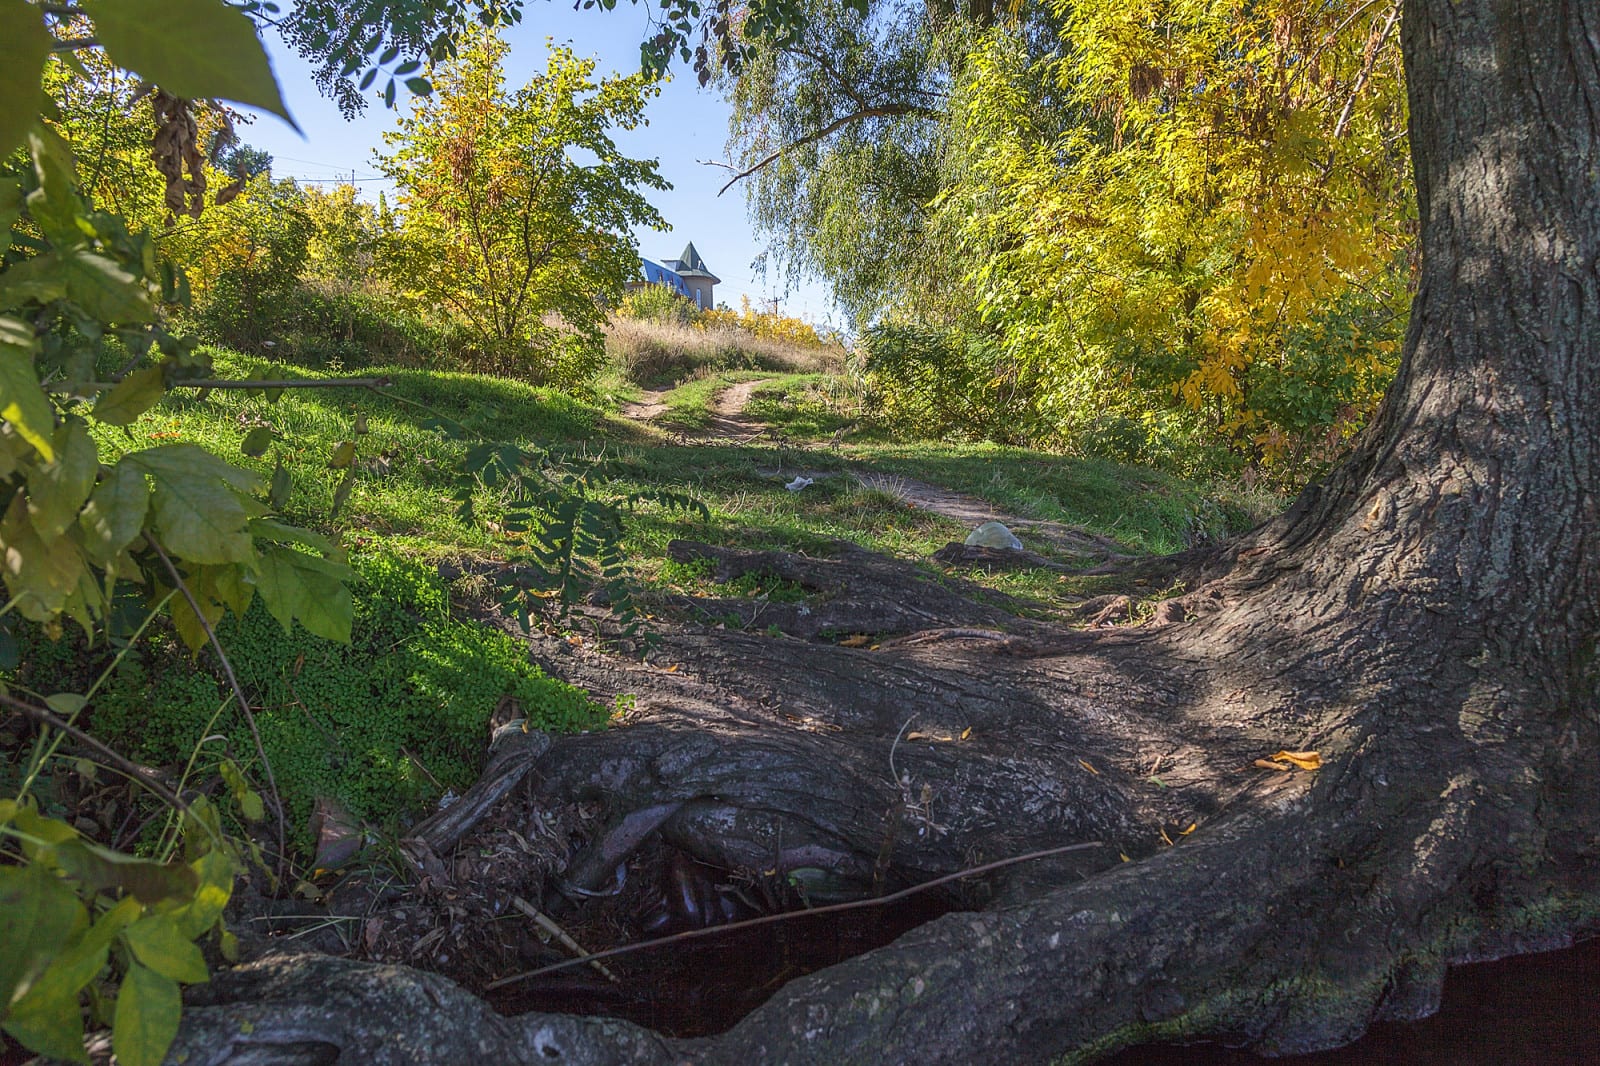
(686, 275)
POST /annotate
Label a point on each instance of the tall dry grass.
(648, 352)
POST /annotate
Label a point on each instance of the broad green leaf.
(256, 442)
(38, 279)
(282, 485)
(196, 49)
(157, 942)
(233, 586)
(52, 1027)
(296, 586)
(215, 872)
(58, 490)
(39, 916)
(66, 704)
(115, 513)
(24, 45)
(103, 868)
(252, 807)
(186, 621)
(146, 1020)
(39, 574)
(22, 401)
(55, 204)
(199, 504)
(101, 286)
(279, 533)
(132, 397)
(344, 453)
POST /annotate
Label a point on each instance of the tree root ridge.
(1284, 911)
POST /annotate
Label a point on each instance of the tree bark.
(1425, 619)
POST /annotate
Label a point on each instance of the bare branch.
(878, 111)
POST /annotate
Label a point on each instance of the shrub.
(385, 724)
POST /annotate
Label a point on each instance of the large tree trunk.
(1426, 620)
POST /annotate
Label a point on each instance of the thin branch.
(1366, 72)
(880, 111)
(133, 771)
(768, 919)
(238, 691)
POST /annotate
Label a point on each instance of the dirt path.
(728, 422)
(651, 404)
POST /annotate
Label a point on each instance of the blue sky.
(686, 125)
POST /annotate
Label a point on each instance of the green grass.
(689, 404)
(389, 722)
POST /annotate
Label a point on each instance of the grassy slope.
(407, 734)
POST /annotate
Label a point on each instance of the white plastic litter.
(993, 535)
(800, 482)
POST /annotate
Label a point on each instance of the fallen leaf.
(857, 641)
(672, 669)
(1192, 827)
(1266, 764)
(1124, 856)
(1306, 760)
(1089, 768)
(1165, 837)
(967, 732)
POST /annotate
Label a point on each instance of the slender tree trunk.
(1426, 620)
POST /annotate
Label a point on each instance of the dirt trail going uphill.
(647, 406)
(728, 422)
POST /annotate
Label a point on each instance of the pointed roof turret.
(690, 265)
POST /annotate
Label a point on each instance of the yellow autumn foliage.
(1214, 214)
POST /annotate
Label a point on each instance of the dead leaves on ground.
(1285, 761)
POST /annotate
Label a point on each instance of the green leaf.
(252, 807)
(115, 513)
(256, 442)
(200, 506)
(38, 279)
(105, 290)
(344, 453)
(132, 397)
(149, 1007)
(278, 494)
(66, 704)
(54, 205)
(52, 1027)
(24, 45)
(22, 401)
(215, 871)
(103, 869)
(39, 916)
(39, 574)
(157, 942)
(57, 491)
(196, 49)
(296, 586)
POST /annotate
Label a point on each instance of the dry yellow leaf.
(1192, 827)
(1165, 837)
(1089, 768)
(858, 641)
(1124, 856)
(967, 732)
(1267, 765)
(1306, 760)
(672, 669)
